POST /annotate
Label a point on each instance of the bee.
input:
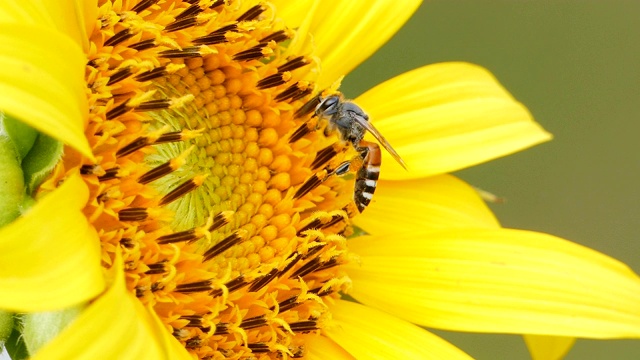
(351, 123)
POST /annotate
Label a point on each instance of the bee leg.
(318, 178)
(342, 168)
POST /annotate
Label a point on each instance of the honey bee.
(351, 123)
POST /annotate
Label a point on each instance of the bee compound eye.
(328, 105)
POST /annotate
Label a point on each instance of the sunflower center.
(233, 154)
(210, 176)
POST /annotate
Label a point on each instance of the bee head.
(328, 106)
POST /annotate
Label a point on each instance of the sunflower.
(194, 209)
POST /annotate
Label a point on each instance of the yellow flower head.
(197, 121)
(196, 161)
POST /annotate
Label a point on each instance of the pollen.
(212, 178)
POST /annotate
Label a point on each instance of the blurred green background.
(576, 65)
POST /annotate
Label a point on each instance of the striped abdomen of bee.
(368, 174)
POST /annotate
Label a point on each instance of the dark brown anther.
(328, 264)
(308, 107)
(192, 287)
(140, 290)
(221, 329)
(217, 36)
(156, 173)
(297, 352)
(157, 268)
(143, 45)
(224, 29)
(153, 105)
(231, 286)
(92, 63)
(192, 10)
(260, 282)
(288, 93)
(278, 36)
(176, 333)
(291, 261)
(220, 220)
(334, 220)
(252, 13)
(223, 245)
(181, 24)
(313, 250)
(313, 182)
(187, 52)
(287, 304)
(216, 4)
(193, 343)
(88, 169)
(293, 64)
(152, 74)
(318, 291)
(194, 320)
(143, 5)
(179, 192)
(187, 235)
(119, 75)
(126, 243)
(307, 268)
(253, 53)
(271, 81)
(117, 111)
(169, 137)
(136, 144)
(323, 156)
(259, 348)
(293, 92)
(254, 322)
(313, 224)
(210, 39)
(304, 326)
(300, 132)
(133, 214)
(109, 174)
(118, 37)
(301, 94)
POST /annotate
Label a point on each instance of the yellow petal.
(115, 326)
(346, 32)
(322, 348)
(548, 347)
(51, 255)
(87, 14)
(75, 18)
(42, 82)
(505, 281)
(367, 333)
(434, 203)
(429, 86)
(446, 117)
(292, 12)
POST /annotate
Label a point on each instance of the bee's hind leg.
(343, 168)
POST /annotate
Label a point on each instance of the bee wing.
(376, 134)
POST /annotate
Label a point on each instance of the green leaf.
(22, 135)
(15, 346)
(40, 328)
(40, 161)
(11, 180)
(6, 326)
